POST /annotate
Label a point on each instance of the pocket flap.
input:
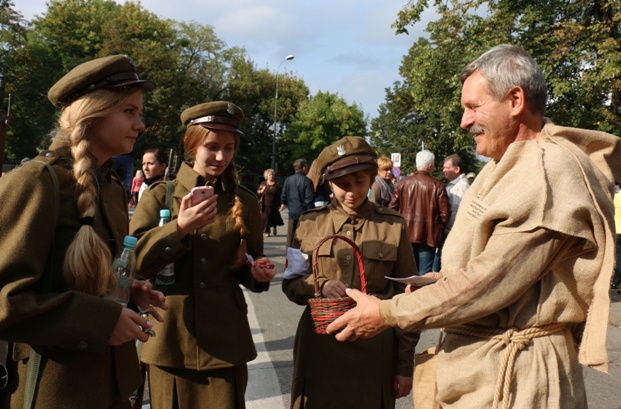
(375, 250)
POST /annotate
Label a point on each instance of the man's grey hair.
(299, 164)
(506, 66)
(424, 159)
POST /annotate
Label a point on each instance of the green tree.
(319, 121)
(576, 43)
(254, 91)
(188, 61)
(12, 29)
(424, 109)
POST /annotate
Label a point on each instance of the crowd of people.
(521, 272)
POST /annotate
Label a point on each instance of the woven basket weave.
(326, 310)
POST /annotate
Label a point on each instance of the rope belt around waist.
(515, 340)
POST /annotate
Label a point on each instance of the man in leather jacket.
(423, 202)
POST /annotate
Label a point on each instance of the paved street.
(273, 320)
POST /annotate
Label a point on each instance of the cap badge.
(341, 150)
(230, 109)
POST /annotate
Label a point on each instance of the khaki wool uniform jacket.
(70, 329)
(329, 373)
(206, 325)
(532, 245)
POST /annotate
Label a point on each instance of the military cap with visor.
(347, 155)
(108, 72)
(215, 115)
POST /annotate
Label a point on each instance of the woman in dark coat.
(86, 342)
(198, 359)
(269, 198)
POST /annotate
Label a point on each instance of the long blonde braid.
(87, 264)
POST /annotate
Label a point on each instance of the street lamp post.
(287, 58)
(3, 122)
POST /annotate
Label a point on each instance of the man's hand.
(362, 321)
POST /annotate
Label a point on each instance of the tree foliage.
(319, 121)
(188, 61)
(576, 43)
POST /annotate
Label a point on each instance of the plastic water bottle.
(124, 267)
(167, 275)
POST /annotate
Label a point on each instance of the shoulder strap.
(34, 362)
(170, 190)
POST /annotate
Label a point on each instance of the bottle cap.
(130, 242)
(164, 214)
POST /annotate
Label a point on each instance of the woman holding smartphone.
(54, 276)
(198, 359)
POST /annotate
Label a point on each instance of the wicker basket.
(326, 310)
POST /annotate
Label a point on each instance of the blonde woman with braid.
(198, 359)
(54, 276)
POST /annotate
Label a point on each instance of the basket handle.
(363, 279)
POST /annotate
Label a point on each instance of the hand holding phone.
(201, 193)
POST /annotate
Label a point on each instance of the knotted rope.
(515, 340)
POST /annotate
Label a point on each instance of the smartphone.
(200, 193)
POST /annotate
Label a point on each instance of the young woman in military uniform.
(86, 342)
(198, 359)
(360, 374)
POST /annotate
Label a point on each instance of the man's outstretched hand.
(362, 321)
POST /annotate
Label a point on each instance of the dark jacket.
(423, 202)
(298, 194)
(70, 328)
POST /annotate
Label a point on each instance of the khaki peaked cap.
(221, 115)
(347, 155)
(107, 72)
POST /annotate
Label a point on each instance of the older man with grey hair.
(423, 202)
(527, 266)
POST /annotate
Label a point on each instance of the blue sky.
(341, 46)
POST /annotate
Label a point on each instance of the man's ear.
(517, 98)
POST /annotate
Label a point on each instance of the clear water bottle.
(167, 275)
(124, 267)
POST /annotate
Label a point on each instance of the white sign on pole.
(396, 159)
